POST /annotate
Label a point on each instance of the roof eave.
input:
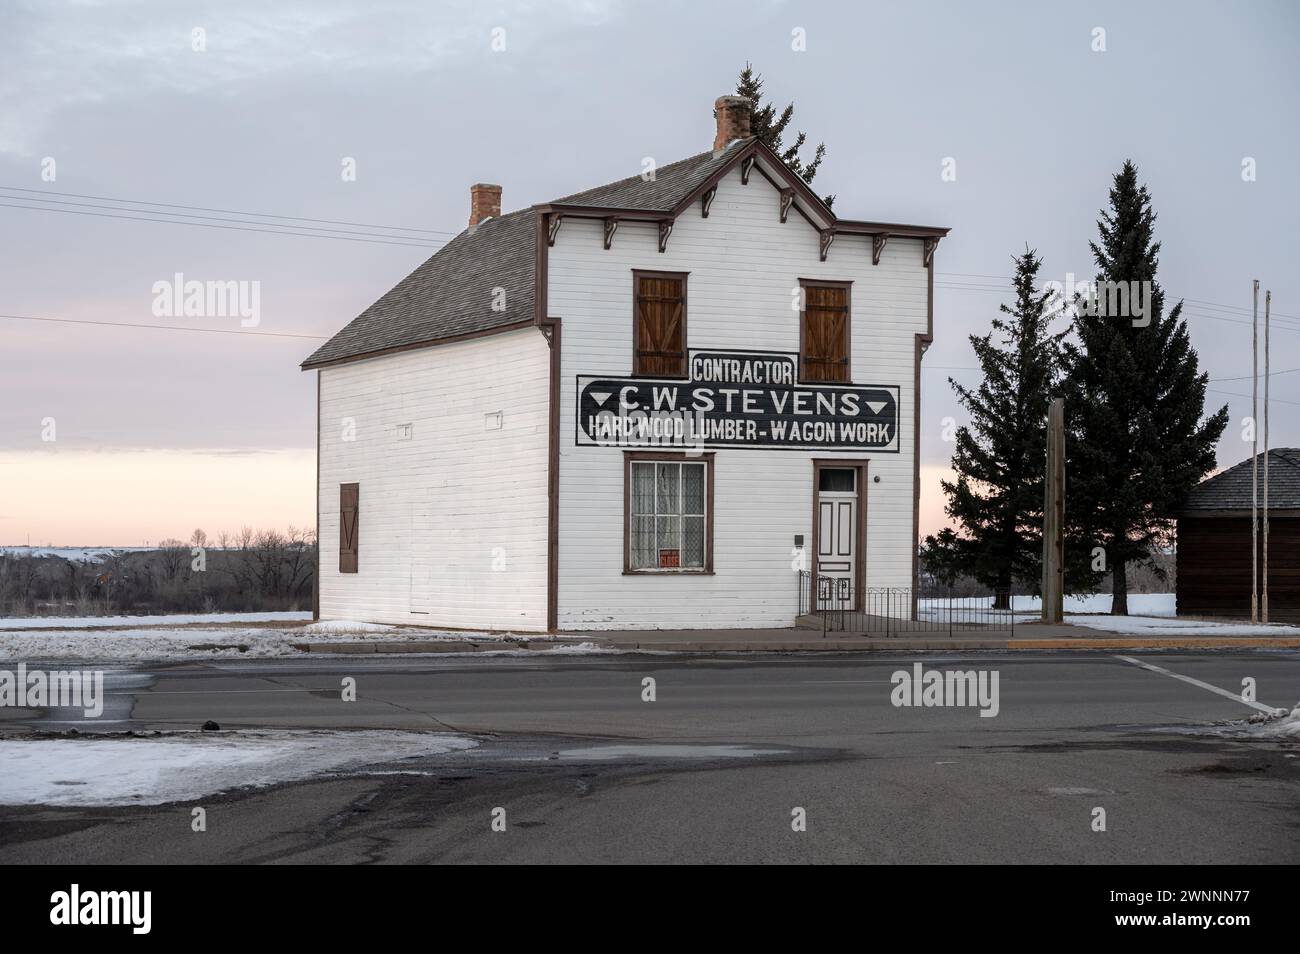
(817, 212)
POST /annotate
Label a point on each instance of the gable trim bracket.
(746, 167)
(665, 230)
(787, 200)
(827, 237)
(553, 229)
(611, 226)
(706, 200)
(927, 254)
(878, 246)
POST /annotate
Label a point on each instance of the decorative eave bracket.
(553, 229)
(787, 200)
(706, 200)
(927, 254)
(878, 246)
(665, 230)
(827, 237)
(611, 226)
(746, 166)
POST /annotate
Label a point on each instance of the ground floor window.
(668, 516)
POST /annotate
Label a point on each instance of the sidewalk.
(1026, 636)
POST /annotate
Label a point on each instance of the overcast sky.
(158, 432)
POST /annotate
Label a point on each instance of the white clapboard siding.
(459, 507)
(744, 267)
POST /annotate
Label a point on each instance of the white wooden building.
(645, 405)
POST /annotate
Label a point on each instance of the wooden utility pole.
(1254, 456)
(1263, 602)
(1054, 516)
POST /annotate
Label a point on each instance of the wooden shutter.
(349, 528)
(660, 329)
(825, 335)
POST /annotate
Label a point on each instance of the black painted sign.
(736, 399)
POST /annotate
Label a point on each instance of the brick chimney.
(732, 115)
(484, 202)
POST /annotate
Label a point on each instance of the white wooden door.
(837, 539)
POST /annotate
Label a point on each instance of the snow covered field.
(1152, 615)
(1031, 607)
(78, 554)
(1141, 604)
(1152, 626)
(88, 639)
(175, 619)
(147, 770)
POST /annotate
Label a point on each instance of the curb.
(1170, 642)
(895, 644)
(428, 646)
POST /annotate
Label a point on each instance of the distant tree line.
(247, 571)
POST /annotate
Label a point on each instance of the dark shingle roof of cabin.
(1230, 490)
(451, 294)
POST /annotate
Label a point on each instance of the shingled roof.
(671, 184)
(1230, 490)
(451, 294)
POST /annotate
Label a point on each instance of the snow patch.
(1285, 727)
(327, 627)
(143, 644)
(1150, 626)
(1031, 607)
(157, 770)
(175, 619)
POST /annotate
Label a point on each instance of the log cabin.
(1214, 541)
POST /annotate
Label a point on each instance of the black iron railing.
(898, 611)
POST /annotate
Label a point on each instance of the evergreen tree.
(1137, 437)
(997, 498)
(770, 127)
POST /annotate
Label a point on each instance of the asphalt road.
(878, 783)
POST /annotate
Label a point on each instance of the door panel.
(837, 549)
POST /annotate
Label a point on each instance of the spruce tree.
(770, 127)
(997, 498)
(1137, 437)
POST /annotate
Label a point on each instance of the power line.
(1247, 396)
(200, 208)
(985, 286)
(206, 225)
(131, 324)
(181, 218)
(1187, 312)
(1247, 377)
(273, 228)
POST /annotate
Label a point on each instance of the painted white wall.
(459, 504)
(744, 267)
